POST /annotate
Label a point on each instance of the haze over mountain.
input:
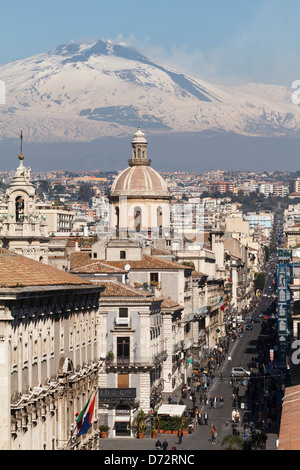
(79, 104)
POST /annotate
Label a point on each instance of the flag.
(221, 304)
(88, 418)
(79, 416)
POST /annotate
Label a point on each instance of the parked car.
(239, 372)
(249, 327)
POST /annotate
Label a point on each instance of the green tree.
(231, 442)
(85, 192)
(259, 282)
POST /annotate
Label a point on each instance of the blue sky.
(222, 41)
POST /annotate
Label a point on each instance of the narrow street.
(242, 350)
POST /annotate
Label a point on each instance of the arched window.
(117, 218)
(19, 208)
(137, 219)
(159, 219)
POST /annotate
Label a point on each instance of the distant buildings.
(156, 275)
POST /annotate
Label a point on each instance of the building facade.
(49, 362)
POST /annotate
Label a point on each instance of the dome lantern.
(139, 149)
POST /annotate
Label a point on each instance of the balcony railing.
(138, 362)
(121, 322)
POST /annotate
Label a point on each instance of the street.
(242, 350)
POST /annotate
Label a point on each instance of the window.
(94, 255)
(123, 380)
(123, 344)
(137, 219)
(123, 312)
(19, 209)
(122, 254)
(154, 279)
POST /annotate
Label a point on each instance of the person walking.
(165, 445)
(215, 435)
(179, 434)
(212, 432)
(158, 444)
(205, 418)
(221, 401)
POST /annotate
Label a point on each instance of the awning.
(171, 410)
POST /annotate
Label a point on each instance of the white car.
(239, 372)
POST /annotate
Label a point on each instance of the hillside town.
(124, 285)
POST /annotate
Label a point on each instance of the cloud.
(262, 50)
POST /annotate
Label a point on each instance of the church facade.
(23, 229)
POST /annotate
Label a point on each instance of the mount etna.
(79, 105)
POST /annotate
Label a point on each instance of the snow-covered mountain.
(81, 92)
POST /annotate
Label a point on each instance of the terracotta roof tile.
(198, 274)
(98, 267)
(80, 259)
(170, 304)
(289, 433)
(148, 262)
(114, 288)
(19, 271)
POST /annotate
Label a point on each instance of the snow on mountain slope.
(81, 92)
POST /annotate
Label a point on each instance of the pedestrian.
(205, 418)
(173, 447)
(179, 434)
(221, 401)
(200, 418)
(165, 445)
(215, 435)
(212, 431)
(229, 359)
(158, 445)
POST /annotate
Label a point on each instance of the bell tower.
(22, 228)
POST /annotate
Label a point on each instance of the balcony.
(122, 322)
(201, 311)
(136, 363)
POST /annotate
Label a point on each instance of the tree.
(190, 264)
(85, 192)
(232, 442)
(259, 282)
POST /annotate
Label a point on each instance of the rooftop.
(78, 260)
(289, 434)
(19, 271)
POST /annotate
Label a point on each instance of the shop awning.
(171, 410)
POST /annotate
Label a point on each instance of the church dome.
(139, 179)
